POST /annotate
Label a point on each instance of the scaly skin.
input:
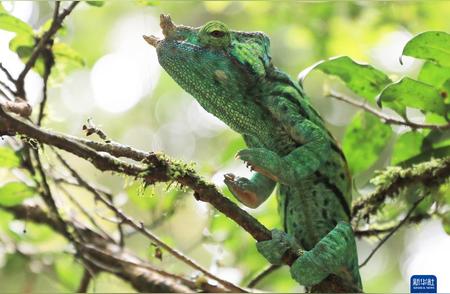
(231, 75)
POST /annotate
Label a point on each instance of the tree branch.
(109, 257)
(392, 232)
(384, 117)
(430, 174)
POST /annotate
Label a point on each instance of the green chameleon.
(231, 75)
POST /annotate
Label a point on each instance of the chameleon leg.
(301, 162)
(274, 249)
(332, 254)
(251, 192)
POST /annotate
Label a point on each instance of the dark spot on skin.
(444, 94)
(342, 176)
(324, 213)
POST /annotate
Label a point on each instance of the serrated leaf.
(364, 139)
(432, 45)
(411, 93)
(363, 79)
(96, 3)
(406, 146)
(13, 24)
(14, 193)
(8, 158)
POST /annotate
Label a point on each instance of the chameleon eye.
(217, 34)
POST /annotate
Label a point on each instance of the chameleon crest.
(230, 73)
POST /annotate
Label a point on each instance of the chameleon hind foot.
(274, 249)
(330, 255)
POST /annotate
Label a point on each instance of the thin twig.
(7, 73)
(263, 274)
(379, 231)
(392, 232)
(85, 281)
(425, 173)
(85, 213)
(125, 265)
(48, 64)
(48, 197)
(43, 42)
(141, 228)
(7, 88)
(386, 118)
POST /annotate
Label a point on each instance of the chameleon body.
(230, 73)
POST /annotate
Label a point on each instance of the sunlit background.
(125, 91)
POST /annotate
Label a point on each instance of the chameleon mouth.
(167, 26)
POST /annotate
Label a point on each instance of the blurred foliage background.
(114, 77)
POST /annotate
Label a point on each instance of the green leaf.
(66, 60)
(364, 139)
(363, 79)
(434, 74)
(446, 222)
(411, 93)
(433, 46)
(65, 54)
(425, 155)
(62, 31)
(14, 193)
(8, 158)
(407, 146)
(13, 24)
(22, 42)
(68, 271)
(96, 3)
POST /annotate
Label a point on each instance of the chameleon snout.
(167, 27)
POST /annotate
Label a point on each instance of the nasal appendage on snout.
(167, 27)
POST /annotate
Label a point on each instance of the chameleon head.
(211, 62)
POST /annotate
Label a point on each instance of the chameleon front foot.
(242, 189)
(263, 161)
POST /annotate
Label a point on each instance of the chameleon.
(232, 76)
